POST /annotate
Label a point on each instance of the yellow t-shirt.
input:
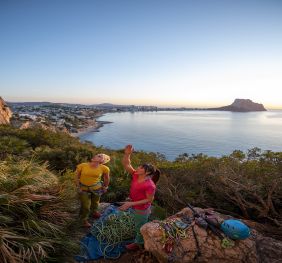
(90, 175)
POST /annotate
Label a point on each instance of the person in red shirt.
(142, 191)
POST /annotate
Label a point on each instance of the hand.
(125, 206)
(128, 149)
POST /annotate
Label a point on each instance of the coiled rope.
(114, 230)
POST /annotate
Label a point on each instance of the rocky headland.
(242, 105)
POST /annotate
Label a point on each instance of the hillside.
(36, 171)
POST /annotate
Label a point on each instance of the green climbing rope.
(115, 229)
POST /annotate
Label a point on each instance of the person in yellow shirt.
(92, 180)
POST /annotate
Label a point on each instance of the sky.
(188, 53)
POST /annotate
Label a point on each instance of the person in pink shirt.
(142, 191)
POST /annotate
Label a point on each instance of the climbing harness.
(174, 230)
(99, 191)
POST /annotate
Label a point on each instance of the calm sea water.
(171, 133)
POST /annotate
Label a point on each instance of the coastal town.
(70, 118)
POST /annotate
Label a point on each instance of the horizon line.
(138, 105)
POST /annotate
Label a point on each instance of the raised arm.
(126, 159)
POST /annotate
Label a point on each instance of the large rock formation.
(242, 105)
(5, 112)
(207, 247)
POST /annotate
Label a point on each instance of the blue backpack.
(235, 229)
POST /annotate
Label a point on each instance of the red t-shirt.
(138, 191)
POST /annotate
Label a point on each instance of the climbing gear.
(227, 243)
(211, 219)
(180, 224)
(168, 246)
(132, 246)
(199, 253)
(96, 215)
(174, 230)
(208, 220)
(86, 224)
(201, 222)
(87, 188)
(235, 229)
(115, 229)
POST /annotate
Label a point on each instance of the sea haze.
(214, 133)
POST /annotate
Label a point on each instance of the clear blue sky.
(157, 52)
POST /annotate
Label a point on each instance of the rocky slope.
(242, 105)
(5, 112)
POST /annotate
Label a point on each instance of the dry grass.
(35, 211)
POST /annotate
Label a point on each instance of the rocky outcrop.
(38, 125)
(204, 246)
(242, 105)
(5, 112)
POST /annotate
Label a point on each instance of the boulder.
(5, 112)
(206, 247)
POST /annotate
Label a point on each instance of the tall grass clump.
(34, 213)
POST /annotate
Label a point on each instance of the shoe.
(86, 224)
(132, 246)
(96, 215)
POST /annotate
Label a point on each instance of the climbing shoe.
(132, 246)
(86, 224)
(96, 215)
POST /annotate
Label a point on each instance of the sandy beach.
(89, 129)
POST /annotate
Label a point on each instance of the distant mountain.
(241, 105)
(46, 103)
(41, 103)
(5, 112)
(109, 105)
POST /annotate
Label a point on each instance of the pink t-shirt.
(138, 191)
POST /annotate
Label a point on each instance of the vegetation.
(35, 213)
(37, 194)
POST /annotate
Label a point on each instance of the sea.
(171, 133)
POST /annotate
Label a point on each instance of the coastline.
(90, 128)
